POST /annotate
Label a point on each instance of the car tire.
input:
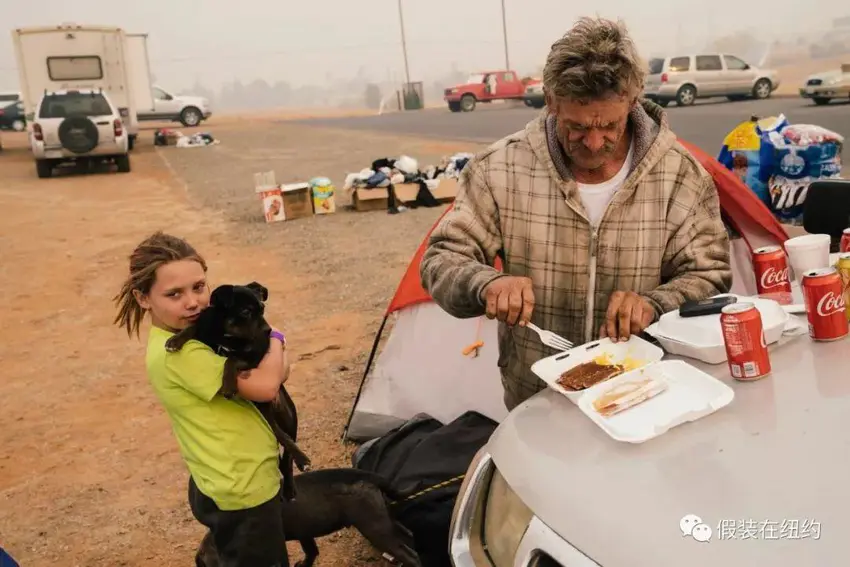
(467, 103)
(820, 101)
(78, 134)
(454, 106)
(123, 163)
(686, 96)
(19, 125)
(44, 168)
(190, 116)
(131, 142)
(762, 89)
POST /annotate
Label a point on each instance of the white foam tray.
(550, 369)
(701, 337)
(691, 394)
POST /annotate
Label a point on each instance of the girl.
(229, 449)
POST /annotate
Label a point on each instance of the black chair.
(826, 209)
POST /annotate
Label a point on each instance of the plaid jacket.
(662, 236)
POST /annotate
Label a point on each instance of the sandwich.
(627, 394)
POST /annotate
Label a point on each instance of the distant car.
(484, 87)
(534, 96)
(82, 126)
(823, 87)
(188, 110)
(686, 78)
(12, 116)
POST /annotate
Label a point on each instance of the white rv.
(71, 56)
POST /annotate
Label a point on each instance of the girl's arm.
(262, 384)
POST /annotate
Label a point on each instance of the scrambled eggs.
(628, 362)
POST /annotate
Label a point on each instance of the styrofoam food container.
(550, 369)
(690, 395)
(702, 337)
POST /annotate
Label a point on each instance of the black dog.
(328, 501)
(233, 326)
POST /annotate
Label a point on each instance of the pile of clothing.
(169, 137)
(385, 173)
(779, 160)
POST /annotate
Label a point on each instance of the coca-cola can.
(771, 268)
(743, 336)
(843, 266)
(825, 307)
(844, 246)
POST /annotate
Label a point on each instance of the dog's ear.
(259, 289)
(222, 296)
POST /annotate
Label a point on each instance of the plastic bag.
(746, 153)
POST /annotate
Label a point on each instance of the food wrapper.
(628, 394)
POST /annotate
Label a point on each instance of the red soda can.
(743, 336)
(822, 291)
(845, 241)
(771, 268)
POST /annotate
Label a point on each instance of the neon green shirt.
(230, 450)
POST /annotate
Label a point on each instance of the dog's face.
(241, 310)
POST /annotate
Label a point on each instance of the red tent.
(423, 357)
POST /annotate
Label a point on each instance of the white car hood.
(777, 453)
(826, 76)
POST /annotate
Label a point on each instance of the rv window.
(80, 104)
(87, 68)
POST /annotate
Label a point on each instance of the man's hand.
(509, 299)
(628, 313)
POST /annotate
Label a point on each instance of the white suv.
(78, 126)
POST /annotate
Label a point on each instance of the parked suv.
(78, 126)
(12, 115)
(688, 77)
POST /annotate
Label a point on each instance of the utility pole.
(505, 34)
(403, 46)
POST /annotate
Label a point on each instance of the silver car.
(686, 78)
(823, 87)
(761, 477)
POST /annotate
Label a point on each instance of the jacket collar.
(652, 139)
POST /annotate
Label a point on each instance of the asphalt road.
(704, 124)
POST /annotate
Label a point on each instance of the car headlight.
(506, 519)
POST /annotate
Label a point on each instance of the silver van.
(688, 77)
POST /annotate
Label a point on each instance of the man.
(602, 220)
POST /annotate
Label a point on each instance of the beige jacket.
(661, 236)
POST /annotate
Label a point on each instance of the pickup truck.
(485, 86)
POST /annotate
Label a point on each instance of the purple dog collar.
(279, 336)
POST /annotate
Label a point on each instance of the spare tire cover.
(78, 134)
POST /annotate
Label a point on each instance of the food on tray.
(628, 363)
(589, 373)
(627, 394)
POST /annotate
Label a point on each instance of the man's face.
(591, 131)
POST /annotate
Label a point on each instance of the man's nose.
(594, 141)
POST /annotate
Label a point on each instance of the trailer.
(73, 56)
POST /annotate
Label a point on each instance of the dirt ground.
(90, 474)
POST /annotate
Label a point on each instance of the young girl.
(229, 449)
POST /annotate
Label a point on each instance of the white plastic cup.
(807, 252)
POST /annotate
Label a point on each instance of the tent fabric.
(422, 368)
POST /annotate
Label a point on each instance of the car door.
(164, 104)
(509, 85)
(738, 76)
(709, 75)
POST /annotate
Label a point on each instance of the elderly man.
(602, 219)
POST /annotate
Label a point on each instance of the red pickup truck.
(486, 86)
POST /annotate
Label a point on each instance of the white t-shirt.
(596, 196)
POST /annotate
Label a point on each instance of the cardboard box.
(297, 200)
(376, 199)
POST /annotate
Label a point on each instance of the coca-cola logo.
(772, 277)
(830, 303)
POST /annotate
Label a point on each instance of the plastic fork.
(549, 338)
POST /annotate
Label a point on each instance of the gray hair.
(593, 60)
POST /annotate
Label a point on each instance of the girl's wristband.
(279, 336)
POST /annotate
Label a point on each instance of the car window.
(508, 78)
(80, 104)
(159, 94)
(83, 68)
(680, 64)
(8, 97)
(734, 64)
(709, 63)
(656, 66)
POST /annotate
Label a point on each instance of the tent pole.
(365, 374)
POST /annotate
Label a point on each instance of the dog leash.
(424, 491)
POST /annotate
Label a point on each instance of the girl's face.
(177, 296)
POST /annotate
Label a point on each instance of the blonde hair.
(155, 251)
(593, 60)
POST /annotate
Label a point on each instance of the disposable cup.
(807, 252)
